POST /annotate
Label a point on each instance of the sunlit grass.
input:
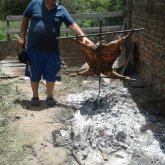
(3, 28)
(3, 35)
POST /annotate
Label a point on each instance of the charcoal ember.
(121, 136)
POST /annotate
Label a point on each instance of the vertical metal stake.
(100, 37)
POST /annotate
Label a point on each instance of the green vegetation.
(12, 7)
(2, 30)
(3, 25)
(16, 7)
(88, 6)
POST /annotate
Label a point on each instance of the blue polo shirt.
(45, 25)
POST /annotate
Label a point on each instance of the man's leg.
(35, 99)
(51, 70)
(50, 88)
(35, 86)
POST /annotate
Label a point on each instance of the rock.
(17, 117)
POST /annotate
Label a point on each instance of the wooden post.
(129, 14)
(128, 5)
(7, 30)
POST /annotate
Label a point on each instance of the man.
(43, 53)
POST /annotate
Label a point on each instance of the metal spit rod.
(102, 34)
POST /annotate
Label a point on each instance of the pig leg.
(87, 72)
(113, 74)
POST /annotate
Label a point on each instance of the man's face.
(51, 1)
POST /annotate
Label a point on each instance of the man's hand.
(85, 40)
(76, 29)
(21, 42)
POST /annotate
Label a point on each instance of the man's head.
(51, 2)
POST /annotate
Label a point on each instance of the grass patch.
(3, 36)
(3, 26)
(12, 142)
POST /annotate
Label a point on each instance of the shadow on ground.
(152, 106)
(26, 104)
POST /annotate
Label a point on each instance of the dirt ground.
(33, 126)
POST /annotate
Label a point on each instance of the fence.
(11, 31)
(70, 53)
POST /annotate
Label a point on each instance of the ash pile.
(118, 128)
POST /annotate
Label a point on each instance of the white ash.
(119, 119)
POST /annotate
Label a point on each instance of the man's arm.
(77, 30)
(23, 31)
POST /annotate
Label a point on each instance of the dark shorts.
(43, 65)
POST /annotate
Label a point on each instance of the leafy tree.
(15, 7)
(97, 6)
(74, 6)
(84, 6)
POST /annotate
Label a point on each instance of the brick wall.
(150, 43)
(71, 53)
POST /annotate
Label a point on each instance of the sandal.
(50, 102)
(35, 101)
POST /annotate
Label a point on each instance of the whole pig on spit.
(100, 57)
